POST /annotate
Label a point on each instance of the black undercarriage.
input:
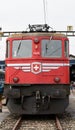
(37, 99)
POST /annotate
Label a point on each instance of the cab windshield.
(51, 48)
(22, 48)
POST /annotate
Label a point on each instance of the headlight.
(15, 79)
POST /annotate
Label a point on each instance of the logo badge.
(36, 67)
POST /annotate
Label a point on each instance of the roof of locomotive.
(37, 34)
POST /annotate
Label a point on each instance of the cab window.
(51, 48)
(7, 49)
(66, 48)
(22, 48)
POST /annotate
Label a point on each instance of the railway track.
(37, 126)
(17, 124)
(40, 123)
(30, 123)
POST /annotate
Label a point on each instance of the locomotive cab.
(37, 72)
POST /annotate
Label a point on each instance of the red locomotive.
(37, 71)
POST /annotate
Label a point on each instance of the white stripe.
(50, 67)
(18, 64)
(55, 64)
(17, 67)
(26, 70)
(45, 70)
(26, 67)
(43, 64)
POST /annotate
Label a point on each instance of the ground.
(70, 109)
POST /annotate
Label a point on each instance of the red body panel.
(37, 70)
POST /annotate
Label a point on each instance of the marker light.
(36, 40)
(57, 79)
(15, 79)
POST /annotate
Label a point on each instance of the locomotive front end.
(37, 73)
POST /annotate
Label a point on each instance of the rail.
(58, 124)
(17, 125)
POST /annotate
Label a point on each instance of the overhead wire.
(44, 5)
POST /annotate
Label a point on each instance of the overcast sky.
(15, 15)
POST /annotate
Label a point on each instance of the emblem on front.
(36, 67)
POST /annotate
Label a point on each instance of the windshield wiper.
(46, 47)
(19, 47)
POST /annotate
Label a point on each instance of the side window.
(66, 48)
(7, 49)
